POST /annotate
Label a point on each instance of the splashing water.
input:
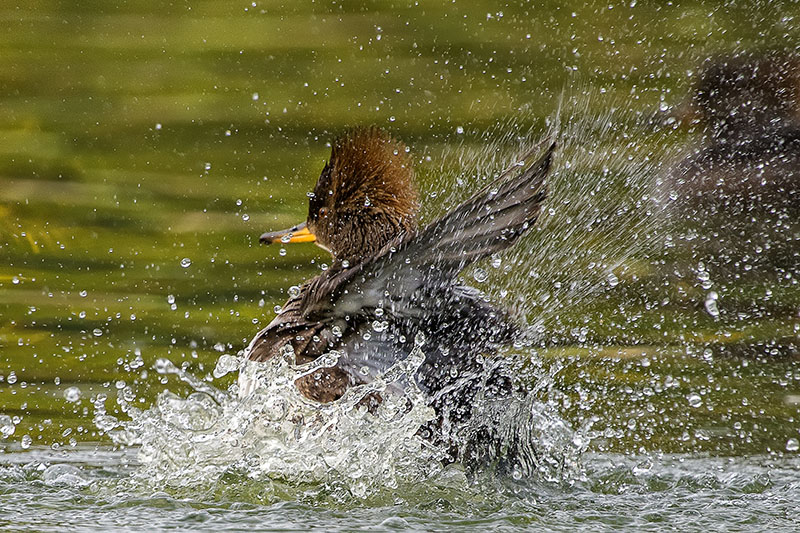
(603, 219)
(273, 433)
(275, 436)
(601, 215)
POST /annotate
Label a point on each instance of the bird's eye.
(322, 212)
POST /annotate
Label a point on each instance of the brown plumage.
(748, 106)
(363, 211)
(366, 194)
(739, 192)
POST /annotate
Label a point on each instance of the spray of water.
(600, 217)
(605, 219)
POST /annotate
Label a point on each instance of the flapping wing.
(489, 222)
(289, 327)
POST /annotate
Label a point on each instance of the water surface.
(143, 148)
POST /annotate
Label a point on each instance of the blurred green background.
(144, 146)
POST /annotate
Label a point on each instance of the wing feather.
(489, 222)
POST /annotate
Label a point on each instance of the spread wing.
(412, 281)
(395, 281)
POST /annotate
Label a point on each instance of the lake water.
(143, 149)
(89, 489)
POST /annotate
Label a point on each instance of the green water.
(144, 147)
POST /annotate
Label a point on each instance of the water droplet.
(711, 304)
(225, 365)
(97, 332)
(72, 394)
(419, 339)
(83, 293)
(15, 280)
(329, 359)
(613, 280)
(294, 291)
(480, 275)
(496, 261)
(695, 400)
(282, 251)
(163, 366)
(26, 442)
(105, 422)
(171, 299)
(186, 262)
(7, 426)
(704, 277)
(245, 217)
(287, 351)
(460, 129)
(792, 445)
(379, 326)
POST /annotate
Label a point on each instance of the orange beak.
(299, 233)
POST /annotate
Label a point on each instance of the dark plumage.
(385, 270)
(739, 192)
(748, 106)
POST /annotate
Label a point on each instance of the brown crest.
(369, 168)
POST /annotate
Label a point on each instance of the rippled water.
(143, 147)
(87, 489)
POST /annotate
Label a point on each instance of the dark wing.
(489, 222)
(288, 327)
(412, 281)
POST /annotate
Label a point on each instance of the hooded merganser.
(390, 281)
(748, 105)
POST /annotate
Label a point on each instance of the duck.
(737, 194)
(747, 106)
(392, 286)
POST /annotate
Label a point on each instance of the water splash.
(601, 219)
(604, 220)
(277, 438)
